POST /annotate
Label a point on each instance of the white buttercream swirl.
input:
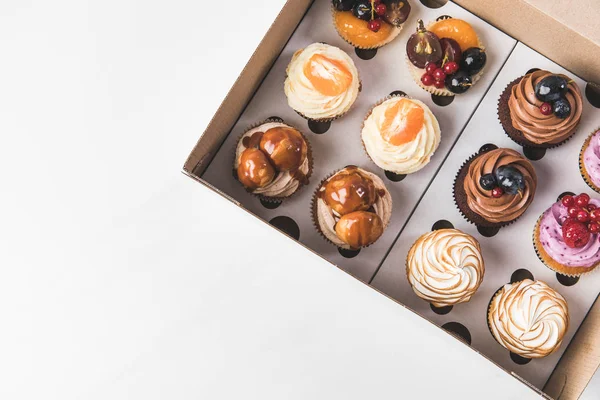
(408, 157)
(529, 318)
(445, 267)
(327, 217)
(284, 184)
(302, 95)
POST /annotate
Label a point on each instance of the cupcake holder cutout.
(422, 199)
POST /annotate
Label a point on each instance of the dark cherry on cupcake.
(541, 109)
(495, 188)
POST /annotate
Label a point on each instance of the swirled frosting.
(529, 318)
(327, 218)
(591, 158)
(401, 135)
(551, 239)
(285, 182)
(526, 115)
(507, 207)
(322, 82)
(445, 267)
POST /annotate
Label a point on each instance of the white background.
(123, 279)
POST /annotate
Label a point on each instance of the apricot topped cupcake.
(589, 161)
(567, 235)
(369, 24)
(322, 82)
(351, 208)
(400, 134)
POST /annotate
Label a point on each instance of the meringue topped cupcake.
(494, 188)
(367, 24)
(540, 109)
(567, 235)
(352, 208)
(322, 82)
(445, 267)
(589, 161)
(528, 318)
(400, 134)
(273, 160)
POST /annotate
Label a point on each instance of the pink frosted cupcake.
(589, 161)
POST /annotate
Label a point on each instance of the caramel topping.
(252, 141)
(359, 228)
(255, 170)
(402, 122)
(357, 31)
(285, 147)
(328, 76)
(349, 191)
(456, 29)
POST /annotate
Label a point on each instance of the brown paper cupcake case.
(550, 263)
(584, 174)
(388, 41)
(514, 134)
(270, 199)
(478, 220)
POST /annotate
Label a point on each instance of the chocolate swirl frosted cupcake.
(589, 161)
(445, 267)
(495, 188)
(528, 318)
(540, 109)
(351, 208)
(273, 160)
(567, 235)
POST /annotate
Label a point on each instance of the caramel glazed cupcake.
(567, 235)
(369, 24)
(528, 318)
(273, 160)
(322, 82)
(352, 208)
(445, 267)
(495, 188)
(540, 109)
(400, 135)
(589, 161)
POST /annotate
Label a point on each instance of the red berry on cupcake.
(430, 68)
(380, 9)
(546, 109)
(497, 192)
(375, 25)
(575, 233)
(451, 67)
(439, 75)
(583, 216)
(595, 215)
(439, 84)
(427, 79)
(568, 201)
(572, 211)
(593, 227)
(582, 200)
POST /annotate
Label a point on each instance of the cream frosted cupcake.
(273, 160)
(589, 161)
(445, 267)
(322, 82)
(352, 208)
(528, 318)
(400, 135)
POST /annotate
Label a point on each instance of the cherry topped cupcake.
(447, 57)
(369, 24)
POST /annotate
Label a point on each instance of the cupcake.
(567, 235)
(447, 57)
(445, 267)
(352, 208)
(540, 109)
(528, 318)
(273, 160)
(322, 82)
(589, 161)
(494, 188)
(367, 24)
(400, 134)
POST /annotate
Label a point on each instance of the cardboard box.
(515, 17)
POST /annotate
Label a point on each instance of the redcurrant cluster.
(378, 11)
(583, 219)
(435, 73)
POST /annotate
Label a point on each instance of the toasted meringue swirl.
(529, 318)
(445, 267)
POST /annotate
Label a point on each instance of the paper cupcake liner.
(313, 211)
(480, 221)
(514, 134)
(416, 72)
(544, 257)
(582, 170)
(309, 154)
(489, 308)
(395, 32)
